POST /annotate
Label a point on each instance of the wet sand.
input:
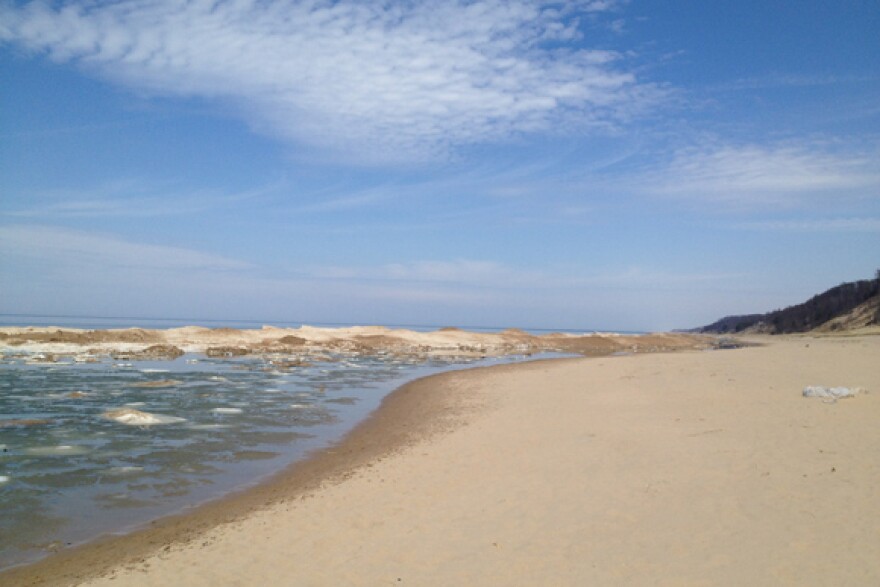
(689, 468)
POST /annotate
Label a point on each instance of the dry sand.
(691, 468)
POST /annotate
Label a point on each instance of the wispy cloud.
(126, 198)
(379, 81)
(476, 273)
(76, 250)
(639, 277)
(815, 225)
(105, 273)
(463, 272)
(761, 176)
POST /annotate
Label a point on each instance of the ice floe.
(124, 470)
(134, 417)
(63, 450)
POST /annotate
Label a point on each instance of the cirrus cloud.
(375, 81)
(83, 252)
(754, 176)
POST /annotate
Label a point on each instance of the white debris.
(208, 426)
(226, 410)
(4, 479)
(831, 393)
(124, 470)
(134, 417)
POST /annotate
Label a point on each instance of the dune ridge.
(142, 344)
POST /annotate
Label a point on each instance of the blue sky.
(590, 164)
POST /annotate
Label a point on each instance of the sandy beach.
(686, 468)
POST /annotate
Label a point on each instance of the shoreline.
(287, 350)
(668, 468)
(404, 416)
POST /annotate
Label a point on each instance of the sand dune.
(140, 344)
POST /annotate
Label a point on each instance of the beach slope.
(689, 468)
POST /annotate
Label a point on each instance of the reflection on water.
(70, 468)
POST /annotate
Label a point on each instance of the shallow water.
(68, 473)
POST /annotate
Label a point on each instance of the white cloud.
(379, 81)
(759, 175)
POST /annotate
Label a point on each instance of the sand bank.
(301, 343)
(692, 468)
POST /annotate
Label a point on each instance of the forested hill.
(847, 306)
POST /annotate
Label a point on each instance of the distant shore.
(682, 468)
(135, 343)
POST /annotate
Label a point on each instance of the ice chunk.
(126, 470)
(226, 410)
(134, 417)
(831, 393)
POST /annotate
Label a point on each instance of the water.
(69, 473)
(105, 322)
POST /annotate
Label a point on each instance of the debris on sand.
(831, 393)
